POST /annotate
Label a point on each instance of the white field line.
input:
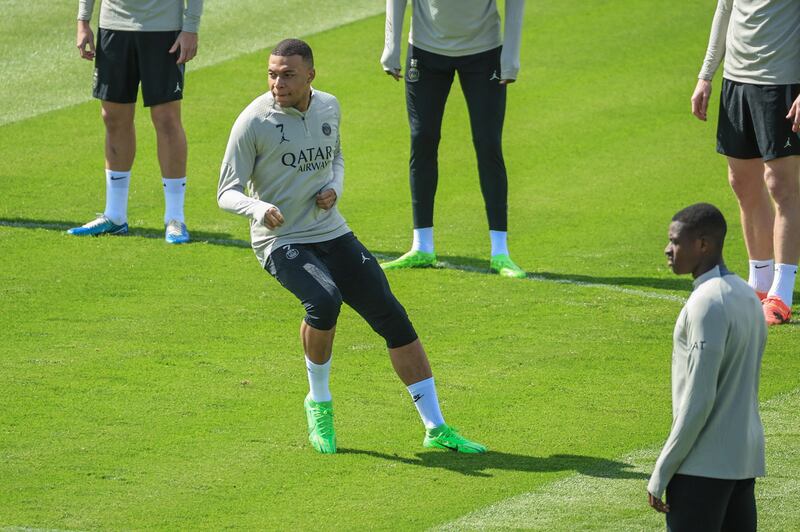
(595, 502)
(440, 264)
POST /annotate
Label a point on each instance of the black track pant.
(711, 505)
(428, 80)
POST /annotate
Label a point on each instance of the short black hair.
(289, 47)
(703, 220)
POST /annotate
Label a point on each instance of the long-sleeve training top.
(759, 39)
(284, 157)
(455, 28)
(145, 15)
(718, 343)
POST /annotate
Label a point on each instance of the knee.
(784, 189)
(166, 122)
(322, 311)
(487, 142)
(116, 121)
(748, 189)
(425, 138)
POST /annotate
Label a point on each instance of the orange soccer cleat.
(775, 311)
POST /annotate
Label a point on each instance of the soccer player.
(449, 37)
(148, 41)
(759, 120)
(284, 150)
(715, 448)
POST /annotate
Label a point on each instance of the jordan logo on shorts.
(364, 258)
(494, 76)
(788, 143)
(177, 87)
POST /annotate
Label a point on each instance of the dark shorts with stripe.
(322, 275)
(700, 504)
(124, 58)
(752, 121)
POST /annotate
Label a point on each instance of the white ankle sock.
(761, 274)
(318, 377)
(423, 240)
(424, 395)
(117, 185)
(783, 285)
(499, 242)
(174, 192)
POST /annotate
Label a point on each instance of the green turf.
(150, 386)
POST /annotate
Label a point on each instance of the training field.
(147, 386)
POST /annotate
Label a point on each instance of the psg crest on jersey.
(326, 128)
(413, 72)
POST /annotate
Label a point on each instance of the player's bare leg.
(172, 154)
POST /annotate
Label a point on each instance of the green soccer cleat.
(412, 259)
(503, 265)
(320, 425)
(447, 437)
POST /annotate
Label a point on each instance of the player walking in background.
(759, 121)
(715, 448)
(449, 37)
(284, 151)
(148, 41)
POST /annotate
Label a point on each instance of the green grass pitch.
(146, 386)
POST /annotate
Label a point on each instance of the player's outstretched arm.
(85, 40)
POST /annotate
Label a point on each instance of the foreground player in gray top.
(283, 169)
(147, 41)
(759, 121)
(715, 448)
(449, 37)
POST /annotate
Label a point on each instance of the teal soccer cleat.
(320, 425)
(99, 226)
(176, 232)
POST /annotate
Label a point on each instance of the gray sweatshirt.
(145, 15)
(455, 28)
(718, 343)
(283, 157)
(759, 39)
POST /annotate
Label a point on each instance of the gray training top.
(145, 15)
(455, 28)
(283, 158)
(718, 343)
(760, 40)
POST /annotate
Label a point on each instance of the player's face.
(290, 80)
(684, 250)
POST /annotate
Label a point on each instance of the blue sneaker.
(176, 232)
(99, 226)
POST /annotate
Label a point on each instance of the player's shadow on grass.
(477, 465)
(60, 226)
(473, 265)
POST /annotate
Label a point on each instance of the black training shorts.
(752, 121)
(123, 58)
(322, 275)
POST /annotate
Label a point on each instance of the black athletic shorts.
(322, 275)
(752, 121)
(123, 58)
(702, 504)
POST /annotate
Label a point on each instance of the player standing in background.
(759, 121)
(449, 37)
(148, 41)
(284, 150)
(715, 448)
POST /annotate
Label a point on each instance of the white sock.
(174, 192)
(424, 395)
(117, 185)
(499, 242)
(761, 274)
(318, 377)
(783, 285)
(423, 240)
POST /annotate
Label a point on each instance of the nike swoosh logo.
(759, 267)
(117, 178)
(418, 397)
